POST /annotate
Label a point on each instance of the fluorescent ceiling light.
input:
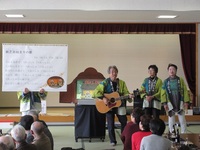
(14, 15)
(167, 16)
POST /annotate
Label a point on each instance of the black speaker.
(138, 101)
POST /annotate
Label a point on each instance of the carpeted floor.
(64, 137)
(64, 133)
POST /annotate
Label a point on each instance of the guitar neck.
(122, 97)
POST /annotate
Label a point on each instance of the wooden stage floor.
(59, 114)
(66, 115)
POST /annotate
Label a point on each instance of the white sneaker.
(112, 144)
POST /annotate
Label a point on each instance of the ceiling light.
(14, 15)
(167, 16)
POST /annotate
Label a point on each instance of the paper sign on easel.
(44, 107)
(34, 66)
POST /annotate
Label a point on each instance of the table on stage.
(89, 123)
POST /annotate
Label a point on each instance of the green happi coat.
(156, 101)
(166, 97)
(105, 87)
(25, 100)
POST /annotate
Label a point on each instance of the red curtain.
(110, 28)
(188, 53)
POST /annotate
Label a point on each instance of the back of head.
(34, 114)
(26, 121)
(3, 146)
(18, 133)
(8, 141)
(137, 113)
(157, 126)
(145, 120)
(37, 127)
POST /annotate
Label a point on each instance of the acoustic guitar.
(114, 100)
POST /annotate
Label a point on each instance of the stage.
(65, 116)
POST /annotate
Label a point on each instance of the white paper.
(43, 107)
(34, 66)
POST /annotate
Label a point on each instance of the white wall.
(131, 53)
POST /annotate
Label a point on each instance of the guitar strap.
(115, 88)
(111, 86)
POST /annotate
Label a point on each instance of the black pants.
(155, 113)
(111, 124)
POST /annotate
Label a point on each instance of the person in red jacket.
(145, 131)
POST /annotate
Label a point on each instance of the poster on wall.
(34, 66)
(85, 88)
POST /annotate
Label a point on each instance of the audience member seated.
(7, 140)
(35, 116)
(156, 141)
(145, 131)
(3, 147)
(19, 135)
(46, 129)
(131, 127)
(26, 121)
(40, 139)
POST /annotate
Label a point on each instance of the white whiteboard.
(34, 66)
